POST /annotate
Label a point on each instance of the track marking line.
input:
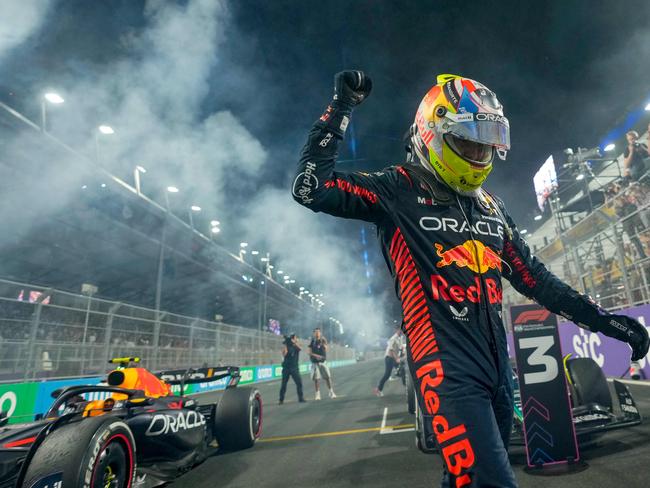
(383, 420)
(393, 429)
(401, 428)
(398, 429)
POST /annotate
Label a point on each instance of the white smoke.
(155, 98)
(20, 19)
(315, 248)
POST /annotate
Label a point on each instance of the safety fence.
(22, 401)
(606, 254)
(46, 333)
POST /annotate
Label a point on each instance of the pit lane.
(359, 440)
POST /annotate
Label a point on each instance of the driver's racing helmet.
(459, 126)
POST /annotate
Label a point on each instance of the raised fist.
(351, 87)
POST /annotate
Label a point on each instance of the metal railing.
(47, 333)
(607, 253)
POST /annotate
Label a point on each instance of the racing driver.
(447, 243)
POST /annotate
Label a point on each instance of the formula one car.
(593, 409)
(139, 435)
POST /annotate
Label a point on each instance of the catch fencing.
(47, 333)
(606, 254)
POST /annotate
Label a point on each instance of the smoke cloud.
(316, 248)
(21, 19)
(156, 99)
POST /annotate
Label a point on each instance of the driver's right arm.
(317, 185)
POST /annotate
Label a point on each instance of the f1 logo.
(532, 316)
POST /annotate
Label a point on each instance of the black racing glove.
(350, 89)
(625, 329)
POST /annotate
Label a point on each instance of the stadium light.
(280, 272)
(83, 187)
(195, 208)
(538, 217)
(243, 244)
(172, 189)
(106, 129)
(580, 177)
(214, 223)
(136, 177)
(265, 260)
(302, 288)
(610, 147)
(54, 98)
(255, 253)
(215, 230)
(103, 185)
(524, 231)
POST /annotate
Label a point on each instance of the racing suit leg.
(503, 405)
(491, 465)
(469, 424)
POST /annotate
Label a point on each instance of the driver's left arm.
(531, 278)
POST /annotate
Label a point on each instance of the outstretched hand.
(631, 331)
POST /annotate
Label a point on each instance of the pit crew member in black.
(291, 367)
(447, 243)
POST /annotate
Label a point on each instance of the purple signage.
(611, 355)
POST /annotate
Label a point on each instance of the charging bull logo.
(471, 254)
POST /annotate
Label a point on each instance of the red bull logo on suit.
(471, 254)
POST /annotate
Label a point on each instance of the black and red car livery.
(138, 435)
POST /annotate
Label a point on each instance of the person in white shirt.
(391, 359)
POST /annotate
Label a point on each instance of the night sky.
(566, 72)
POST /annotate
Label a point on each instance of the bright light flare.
(54, 98)
(195, 208)
(106, 129)
(610, 147)
(172, 189)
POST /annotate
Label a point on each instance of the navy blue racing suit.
(447, 254)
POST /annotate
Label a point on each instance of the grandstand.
(598, 235)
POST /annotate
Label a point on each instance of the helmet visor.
(483, 128)
(473, 152)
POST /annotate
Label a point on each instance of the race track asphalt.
(341, 443)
